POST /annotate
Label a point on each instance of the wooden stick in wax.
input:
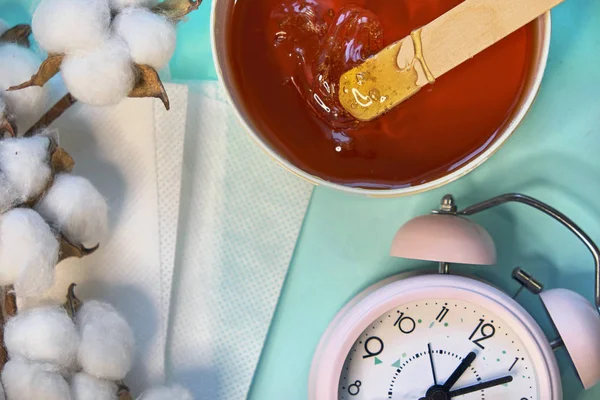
(403, 68)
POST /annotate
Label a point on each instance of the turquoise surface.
(345, 239)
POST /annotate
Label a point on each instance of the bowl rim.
(515, 120)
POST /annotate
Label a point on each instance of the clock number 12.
(484, 331)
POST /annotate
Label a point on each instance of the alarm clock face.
(434, 337)
(417, 346)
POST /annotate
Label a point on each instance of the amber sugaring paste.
(385, 80)
(288, 57)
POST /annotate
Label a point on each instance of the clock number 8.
(354, 389)
(486, 331)
(405, 324)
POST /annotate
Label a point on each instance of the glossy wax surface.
(279, 48)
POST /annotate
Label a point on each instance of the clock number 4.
(405, 324)
(483, 331)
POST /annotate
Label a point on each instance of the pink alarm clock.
(441, 336)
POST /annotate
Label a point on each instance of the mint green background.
(344, 242)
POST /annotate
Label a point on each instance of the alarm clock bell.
(446, 239)
(447, 236)
(578, 326)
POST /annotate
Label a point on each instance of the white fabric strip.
(240, 218)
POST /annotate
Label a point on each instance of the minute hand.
(481, 386)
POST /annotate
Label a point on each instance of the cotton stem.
(123, 392)
(52, 114)
(9, 309)
(10, 301)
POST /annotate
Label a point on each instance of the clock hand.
(431, 363)
(462, 367)
(481, 386)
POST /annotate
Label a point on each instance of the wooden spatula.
(403, 68)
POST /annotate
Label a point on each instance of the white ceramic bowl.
(220, 21)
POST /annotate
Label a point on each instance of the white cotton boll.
(25, 162)
(65, 26)
(167, 393)
(121, 4)
(107, 342)
(87, 387)
(17, 65)
(30, 381)
(48, 367)
(75, 207)
(44, 334)
(28, 252)
(102, 76)
(151, 38)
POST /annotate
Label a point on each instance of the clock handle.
(552, 212)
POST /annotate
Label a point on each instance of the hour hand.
(462, 367)
(481, 386)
